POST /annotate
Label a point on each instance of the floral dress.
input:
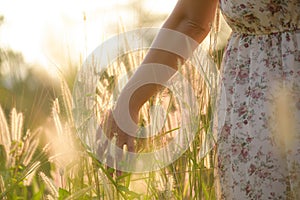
(259, 139)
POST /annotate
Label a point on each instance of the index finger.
(130, 144)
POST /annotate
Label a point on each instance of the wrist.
(134, 112)
(127, 110)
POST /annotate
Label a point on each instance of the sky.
(51, 33)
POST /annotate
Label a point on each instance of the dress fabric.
(258, 154)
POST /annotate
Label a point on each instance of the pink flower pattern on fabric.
(259, 144)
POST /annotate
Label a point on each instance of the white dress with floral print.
(259, 142)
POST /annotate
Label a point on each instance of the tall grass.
(191, 176)
(75, 173)
(52, 162)
(19, 157)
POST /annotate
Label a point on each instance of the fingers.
(123, 139)
(109, 135)
(130, 144)
(122, 154)
(120, 142)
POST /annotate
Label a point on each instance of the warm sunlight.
(100, 99)
(52, 33)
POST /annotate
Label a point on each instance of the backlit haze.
(52, 33)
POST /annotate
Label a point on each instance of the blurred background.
(41, 41)
(42, 46)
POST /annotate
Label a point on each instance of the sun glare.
(51, 33)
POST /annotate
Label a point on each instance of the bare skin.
(190, 17)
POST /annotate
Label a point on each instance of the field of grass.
(52, 161)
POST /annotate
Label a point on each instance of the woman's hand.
(106, 133)
(111, 129)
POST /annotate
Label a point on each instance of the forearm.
(178, 22)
